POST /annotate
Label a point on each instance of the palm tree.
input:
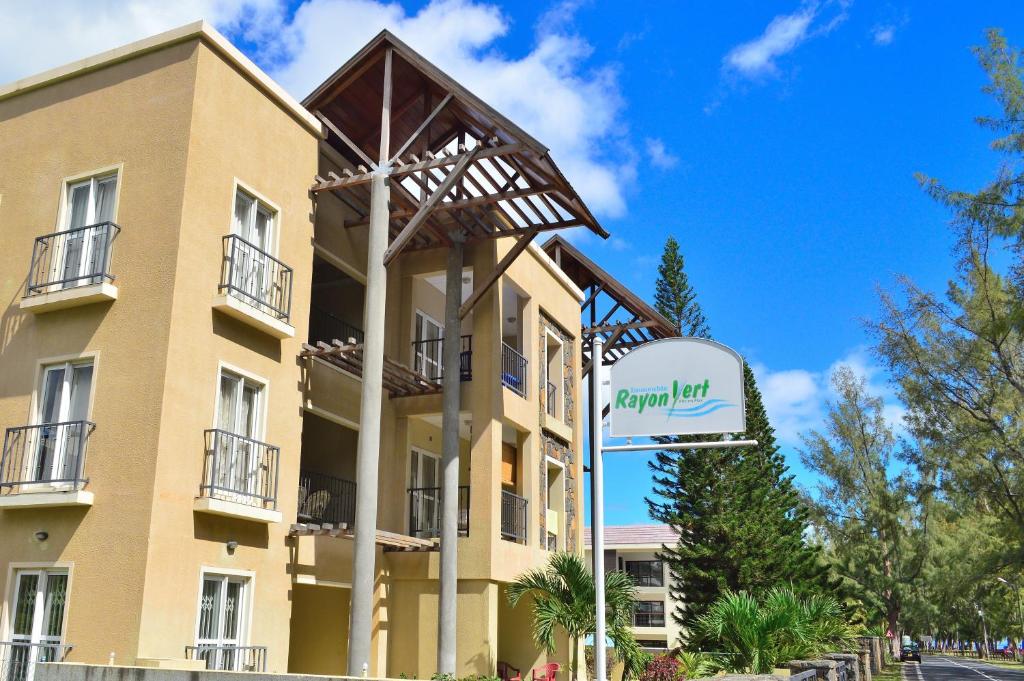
(757, 637)
(564, 596)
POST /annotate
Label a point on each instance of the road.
(938, 668)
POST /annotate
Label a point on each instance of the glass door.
(220, 626)
(63, 408)
(82, 258)
(425, 477)
(40, 597)
(253, 270)
(239, 452)
(427, 353)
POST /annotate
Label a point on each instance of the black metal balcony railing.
(326, 499)
(513, 517)
(425, 511)
(74, 257)
(255, 277)
(326, 327)
(646, 572)
(50, 454)
(551, 396)
(240, 469)
(18, 658)
(513, 370)
(427, 358)
(229, 658)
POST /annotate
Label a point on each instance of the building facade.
(634, 550)
(181, 413)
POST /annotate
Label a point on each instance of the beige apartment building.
(634, 549)
(180, 367)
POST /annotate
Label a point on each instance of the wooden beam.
(427, 208)
(344, 138)
(423, 126)
(385, 111)
(442, 161)
(499, 270)
(613, 327)
(465, 203)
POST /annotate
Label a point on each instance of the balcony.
(18, 658)
(513, 517)
(43, 465)
(427, 358)
(326, 327)
(649, 614)
(255, 288)
(425, 511)
(513, 370)
(239, 478)
(229, 658)
(71, 268)
(550, 403)
(649, 573)
(324, 499)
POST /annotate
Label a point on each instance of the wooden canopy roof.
(454, 163)
(613, 312)
(399, 380)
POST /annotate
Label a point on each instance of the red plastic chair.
(507, 672)
(547, 672)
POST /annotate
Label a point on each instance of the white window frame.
(421, 452)
(273, 241)
(563, 530)
(262, 409)
(248, 591)
(560, 383)
(64, 215)
(417, 348)
(14, 569)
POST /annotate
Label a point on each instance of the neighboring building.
(180, 393)
(633, 549)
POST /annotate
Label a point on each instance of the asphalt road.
(938, 668)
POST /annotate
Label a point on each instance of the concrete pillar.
(878, 653)
(851, 660)
(864, 664)
(450, 352)
(826, 669)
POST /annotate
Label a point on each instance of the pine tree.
(674, 298)
(740, 518)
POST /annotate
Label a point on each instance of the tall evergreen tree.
(739, 516)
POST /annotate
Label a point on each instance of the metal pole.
(450, 380)
(597, 507)
(360, 626)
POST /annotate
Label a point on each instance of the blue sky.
(776, 140)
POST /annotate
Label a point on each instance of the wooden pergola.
(613, 312)
(389, 541)
(399, 380)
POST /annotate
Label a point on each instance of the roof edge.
(196, 30)
(556, 271)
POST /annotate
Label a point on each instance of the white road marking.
(976, 670)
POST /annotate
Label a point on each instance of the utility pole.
(984, 633)
(360, 626)
(597, 498)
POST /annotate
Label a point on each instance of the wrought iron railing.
(18, 658)
(429, 361)
(513, 517)
(513, 370)
(255, 277)
(326, 327)
(550, 397)
(326, 499)
(74, 257)
(240, 469)
(646, 572)
(425, 511)
(229, 658)
(45, 455)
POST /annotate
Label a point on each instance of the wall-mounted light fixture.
(42, 535)
(232, 545)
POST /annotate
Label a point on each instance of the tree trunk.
(892, 618)
(574, 664)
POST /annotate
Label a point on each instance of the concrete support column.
(451, 348)
(368, 447)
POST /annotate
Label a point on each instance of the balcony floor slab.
(49, 499)
(243, 312)
(231, 509)
(69, 297)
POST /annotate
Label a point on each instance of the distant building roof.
(624, 535)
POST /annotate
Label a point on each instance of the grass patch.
(892, 672)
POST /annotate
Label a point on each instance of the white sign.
(677, 386)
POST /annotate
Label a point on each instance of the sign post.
(673, 386)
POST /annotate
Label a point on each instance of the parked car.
(911, 652)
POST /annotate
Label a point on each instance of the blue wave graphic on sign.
(701, 409)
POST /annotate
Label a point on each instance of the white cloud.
(757, 59)
(550, 89)
(796, 398)
(883, 34)
(659, 155)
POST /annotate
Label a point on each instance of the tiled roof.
(620, 535)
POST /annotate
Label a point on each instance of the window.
(427, 348)
(553, 368)
(221, 627)
(652, 643)
(37, 634)
(649, 614)
(61, 415)
(239, 469)
(82, 255)
(646, 572)
(424, 494)
(253, 269)
(555, 515)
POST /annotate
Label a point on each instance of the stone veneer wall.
(553, 446)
